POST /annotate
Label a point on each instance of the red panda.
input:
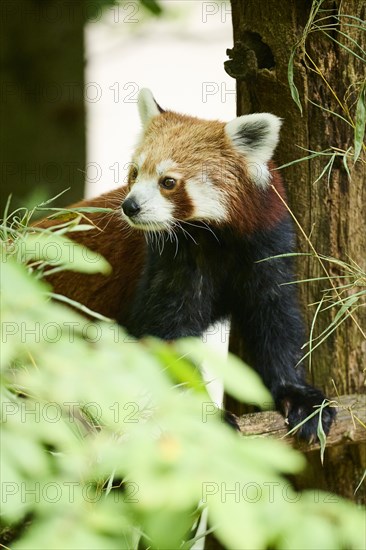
(185, 241)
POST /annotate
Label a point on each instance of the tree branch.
(348, 428)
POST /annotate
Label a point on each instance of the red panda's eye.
(133, 173)
(168, 183)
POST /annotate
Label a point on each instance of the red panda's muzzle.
(130, 207)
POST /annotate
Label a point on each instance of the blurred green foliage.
(106, 440)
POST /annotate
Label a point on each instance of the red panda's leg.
(270, 322)
(270, 332)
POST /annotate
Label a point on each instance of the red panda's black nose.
(130, 207)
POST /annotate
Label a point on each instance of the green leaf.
(290, 76)
(360, 482)
(182, 370)
(18, 290)
(239, 380)
(321, 433)
(138, 427)
(318, 533)
(345, 164)
(360, 122)
(153, 6)
(57, 250)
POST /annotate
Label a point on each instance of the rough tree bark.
(349, 428)
(333, 212)
(42, 99)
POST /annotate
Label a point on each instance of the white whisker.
(206, 227)
(185, 232)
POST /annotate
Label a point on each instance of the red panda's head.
(186, 169)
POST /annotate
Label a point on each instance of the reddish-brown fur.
(110, 295)
(191, 170)
(204, 148)
(124, 248)
(200, 147)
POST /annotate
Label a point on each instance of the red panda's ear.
(148, 108)
(256, 137)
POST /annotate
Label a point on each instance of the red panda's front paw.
(297, 402)
(230, 420)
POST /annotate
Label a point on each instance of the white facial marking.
(164, 166)
(140, 160)
(208, 201)
(256, 137)
(258, 173)
(155, 209)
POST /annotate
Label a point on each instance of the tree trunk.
(331, 210)
(43, 120)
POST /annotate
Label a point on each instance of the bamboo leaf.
(290, 76)
(333, 113)
(327, 167)
(360, 121)
(321, 434)
(56, 250)
(345, 163)
(360, 483)
(52, 199)
(312, 332)
(345, 307)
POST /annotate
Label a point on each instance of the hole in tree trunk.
(263, 52)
